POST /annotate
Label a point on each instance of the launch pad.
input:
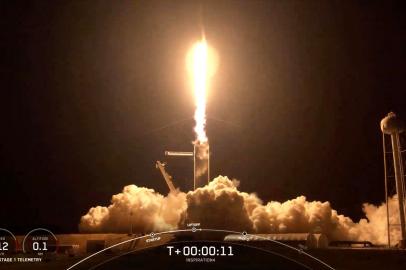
(201, 165)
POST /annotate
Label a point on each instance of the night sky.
(94, 92)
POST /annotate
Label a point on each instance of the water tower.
(393, 126)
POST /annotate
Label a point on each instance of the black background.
(93, 93)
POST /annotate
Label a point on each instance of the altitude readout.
(40, 241)
(200, 251)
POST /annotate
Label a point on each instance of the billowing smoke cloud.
(141, 208)
(374, 228)
(221, 205)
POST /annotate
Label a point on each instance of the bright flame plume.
(202, 64)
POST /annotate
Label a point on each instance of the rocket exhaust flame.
(200, 88)
(201, 64)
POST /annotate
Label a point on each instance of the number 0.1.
(35, 246)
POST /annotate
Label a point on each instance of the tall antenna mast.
(393, 126)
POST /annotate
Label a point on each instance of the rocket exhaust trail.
(201, 70)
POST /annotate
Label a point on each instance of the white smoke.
(141, 208)
(374, 227)
(221, 205)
